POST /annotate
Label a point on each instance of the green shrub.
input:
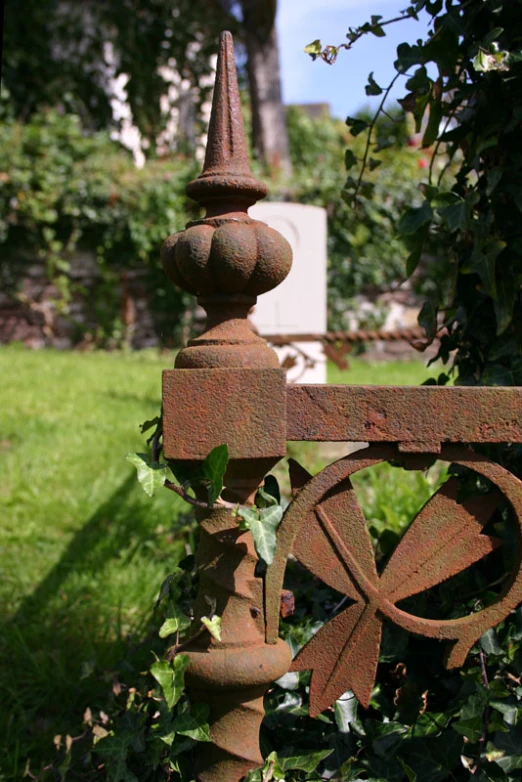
(62, 191)
(365, 254)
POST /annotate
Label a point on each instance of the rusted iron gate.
(227, 387)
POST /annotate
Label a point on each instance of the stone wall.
(31, 312)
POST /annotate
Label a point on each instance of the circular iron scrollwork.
(325, 529)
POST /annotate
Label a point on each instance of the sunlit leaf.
(171, 677)
(213, 625)
(314, 48)
(292, 760)
(263, 529)
(151, 475)
(214, 468)
(192, 721)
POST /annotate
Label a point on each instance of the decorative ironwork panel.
(326, 531)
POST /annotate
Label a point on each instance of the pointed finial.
(226, 173)
(227, 259)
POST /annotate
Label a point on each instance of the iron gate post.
(227, 387)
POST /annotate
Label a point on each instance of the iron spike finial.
(227, 258)
(226, 146)
(226, 172)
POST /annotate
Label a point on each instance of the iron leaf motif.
(444, 539)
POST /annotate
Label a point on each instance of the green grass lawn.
(82, 549)
(394, 373)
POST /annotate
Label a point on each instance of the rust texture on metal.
(427, 415)
(227, 387)
(326, 531)
(350, 337)
(233, 674)
(203, 408)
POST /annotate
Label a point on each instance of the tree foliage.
(61, 53)
(55, 54)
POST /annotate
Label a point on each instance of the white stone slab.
(298, 305)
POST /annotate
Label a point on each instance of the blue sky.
(341, 85)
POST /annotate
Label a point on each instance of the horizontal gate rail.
(422, 415)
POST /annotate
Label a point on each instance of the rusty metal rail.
(337, 344)
(350, 337)
(227, 387)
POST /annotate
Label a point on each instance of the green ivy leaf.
(169, 586)
(192, 721)
(427, 318)
(247, 516)
(510, 744)
(304, 761)
(471, 722)
(372, 88)
(419, 81)
(374, 163)
(414, 218)
(151, 475)
(483, 263)
(356, 125)
(171, 677)
(385, 736)
(509, 711)
(213, 625)
(263, 528)
(440, 200)
(153, 422)
(271, 770)
(314, 49)
(457, 216)
(435, 117)
(492, 36)
(489, 642)
(431, 723)
(422, 101)
(214, 468)
(268, 494)
(407, 56)
(411, 776)
(169, 627)
(115, 750)
(350, 160)
(413, 259)
(378, 31)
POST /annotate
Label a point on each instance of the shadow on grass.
(122, 396)
(57, 652)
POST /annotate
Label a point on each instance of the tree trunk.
(270, 138)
